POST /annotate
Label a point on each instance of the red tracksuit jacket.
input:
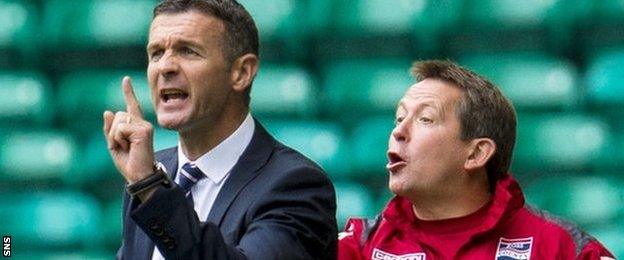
(504, 229)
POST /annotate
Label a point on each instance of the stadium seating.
(516, 25)
(365, 28)
(55, 219)
(532, 81)
(369, 145)
(37, 156)
(31, 101)
(331, 75)
(284, 91)
(352, 200)
(605, 85)
(95, 23)
(610, 235)
(601, 27)
(322, 142)
(95, 33)
(85, 95)
(282, 25)
(605, 79)
(19, 40)
(356, 88)
(560, 142)
(112, 222)
(585, 199)
(68, 255)
(164, 138)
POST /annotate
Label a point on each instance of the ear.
(243, 71)
(481, 150)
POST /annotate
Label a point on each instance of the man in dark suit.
(228, 190)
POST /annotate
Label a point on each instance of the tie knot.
(189, 175)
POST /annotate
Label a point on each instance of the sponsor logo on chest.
(514, 249)
(381, 255)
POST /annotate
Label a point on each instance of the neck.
(201, 138)
(469, 196)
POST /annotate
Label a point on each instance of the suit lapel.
(169, 158)
(254, 157)
(144, 246)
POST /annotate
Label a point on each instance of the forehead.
(432, 91)
(185, 25)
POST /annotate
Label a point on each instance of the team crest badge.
(381, 255)
(514, 249)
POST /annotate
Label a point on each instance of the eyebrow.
(177, 42)
(421, 106)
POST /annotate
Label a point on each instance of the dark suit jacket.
(275, 204)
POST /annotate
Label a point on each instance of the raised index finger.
(132, 104)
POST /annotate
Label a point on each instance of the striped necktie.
(189, 175)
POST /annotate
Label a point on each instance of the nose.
(400, 133)
(169, 67)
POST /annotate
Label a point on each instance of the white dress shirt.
(216, 164)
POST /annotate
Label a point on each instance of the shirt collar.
(218, 162)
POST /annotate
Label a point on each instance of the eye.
(155, 55)
(398, 120)
(425, 119)
(188, 51)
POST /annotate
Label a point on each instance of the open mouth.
(395, 162)
(173, 94)
(394, 157)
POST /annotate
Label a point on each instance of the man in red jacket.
(448, 155)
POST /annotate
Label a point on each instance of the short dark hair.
(483, 110)
(241, 33)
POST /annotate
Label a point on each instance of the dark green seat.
(112, 222)
(369, 145)
(85, 95)
(583, 199)
(96, 23)
(531, 80)
(95, 34)
(52, 219)
(38, 155)
(378, 27)
(605, 79)
(365, 87)
(19, 39)
(610, 235)
(30, 104)
(284, 91)
(353, 200)
(67, 255)
(322, 142)
(283, 27)
(515, 25)
(164, 138)
(601, 27)
(560, 142)
(605, 86)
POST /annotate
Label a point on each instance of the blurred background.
(332, 72)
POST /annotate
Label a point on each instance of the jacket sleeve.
(293, 219)
(595, 251)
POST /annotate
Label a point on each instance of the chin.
(396, 187)
(170, 122)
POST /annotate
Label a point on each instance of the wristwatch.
(159, 177)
